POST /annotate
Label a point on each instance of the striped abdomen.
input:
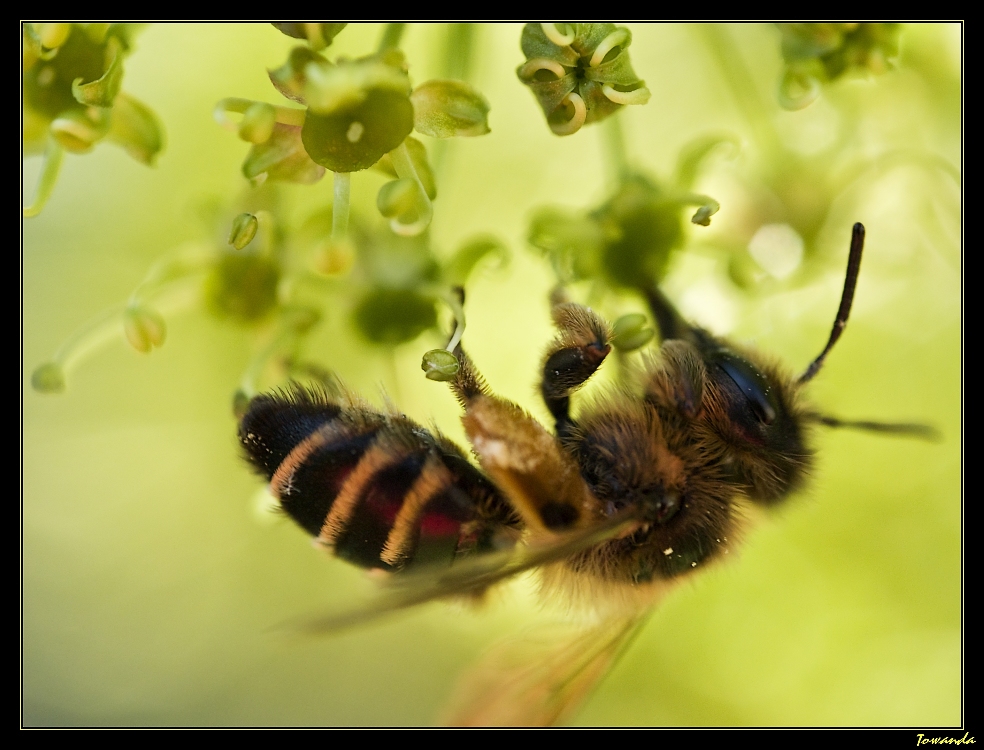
(377, 489)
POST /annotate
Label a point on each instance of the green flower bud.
(397, 198)
(579, 73)
(291, 78)
(631, 332)
(282, 157)
(394, 316)
(440, 365)
(357, 112)
(445, 109)
(48, 378)
(243, 230)
(318, 35)
(79, 130)
(53, 35)
(257, 123)
(145, 329)
(418, 155)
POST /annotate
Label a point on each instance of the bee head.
(753, 408)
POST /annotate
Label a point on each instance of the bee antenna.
(901, 429)
(847, 297)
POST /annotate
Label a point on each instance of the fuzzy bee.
(644, 487)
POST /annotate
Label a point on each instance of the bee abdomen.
(378, 490)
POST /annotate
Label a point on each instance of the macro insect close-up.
(537, 339)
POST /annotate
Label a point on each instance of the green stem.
(340, 206)
(457, 65)
(746, 94)
(403, 165)
(284, 115)
(392, 34)
(614, 140)
(168, 269)
(46, 182)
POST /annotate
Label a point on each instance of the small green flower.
(72, 75)
(358, 111)
(627, 241)
(579, 72)
(440, 365)
(818, 53)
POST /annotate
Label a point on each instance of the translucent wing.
(541, 678)
(467, 577)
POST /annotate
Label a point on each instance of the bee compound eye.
(758, 392)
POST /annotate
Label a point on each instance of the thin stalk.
(392, 33)
(457, 65)
(403, 165)
(284, 115)
(746, 95)
(340, 206)
(46, 182)
(614, 143)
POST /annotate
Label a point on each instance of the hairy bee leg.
(677, 378)
(573, 356)
(539, 478)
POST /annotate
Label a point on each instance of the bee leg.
(677, 380)
(542, 482)
(578, 350)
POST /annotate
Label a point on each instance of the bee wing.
(541, 678)
(469, 576)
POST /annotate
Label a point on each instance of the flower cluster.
(821, 52)
(579, 72)
(72, 74)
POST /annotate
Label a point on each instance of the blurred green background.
(152, 584)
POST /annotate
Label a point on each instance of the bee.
(645, 486)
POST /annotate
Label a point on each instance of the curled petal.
(577, 119)
(636, 96)
(616, 38)
(554, 34)
(102, 92)
(528, 71)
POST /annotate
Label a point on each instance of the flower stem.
(392, 34)
(340, 206)
(457, 65)
(746, 95)
(403, 165)
(614, 140)
(284, 115)
(46, 182)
